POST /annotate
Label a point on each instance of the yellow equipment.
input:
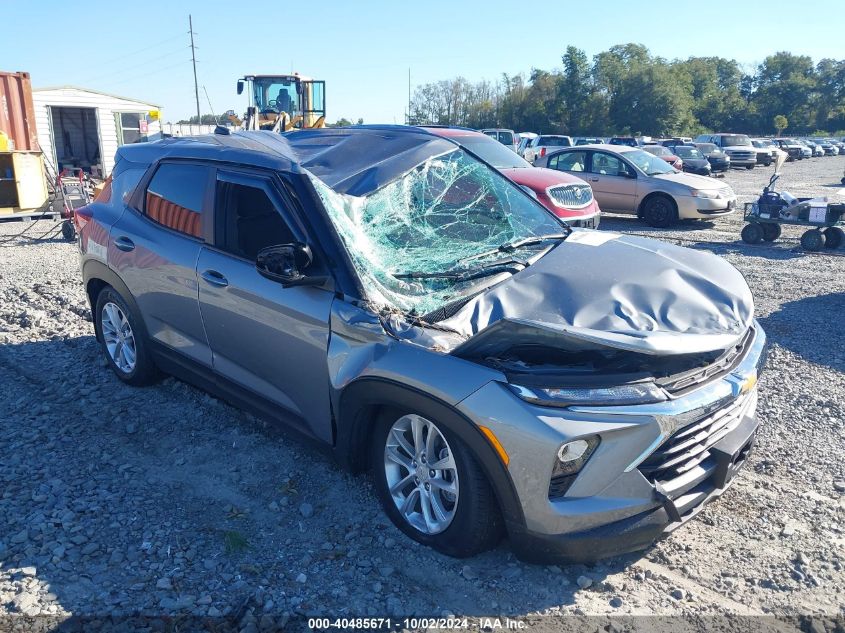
(282, 102)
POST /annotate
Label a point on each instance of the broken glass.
(449, 215)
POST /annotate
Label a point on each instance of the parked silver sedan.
(629, 180)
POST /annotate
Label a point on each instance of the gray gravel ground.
(165, 500)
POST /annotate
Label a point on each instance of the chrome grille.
(690, 446)
(572, 196)
(743, 155)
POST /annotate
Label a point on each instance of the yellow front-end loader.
(281, 103)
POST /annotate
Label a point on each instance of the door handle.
(214, 278)
(593, 179)
(124, 243)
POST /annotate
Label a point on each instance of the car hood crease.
(621, 292)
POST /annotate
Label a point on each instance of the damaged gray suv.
(383, 291)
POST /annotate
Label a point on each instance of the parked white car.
(544, 144)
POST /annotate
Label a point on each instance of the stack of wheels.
(756, 232)
(816, 239)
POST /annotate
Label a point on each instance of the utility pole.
(194, 60)
(409, 95)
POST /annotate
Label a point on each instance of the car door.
(154, 247)
(266, 339)
(614, 182)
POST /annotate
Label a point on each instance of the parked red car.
(566, 196)
(666, 154)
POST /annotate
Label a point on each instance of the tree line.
(627, 90)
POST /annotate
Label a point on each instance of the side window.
(175, 197)
(608, 165)
(571, 161)
(250, 220)
(552, 162)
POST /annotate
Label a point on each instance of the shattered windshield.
(441, 218)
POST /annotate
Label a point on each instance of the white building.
(83, 128)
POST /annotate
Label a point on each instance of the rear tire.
(749, 166)
(834, 237)
(752, 233)
(453, 511)
(771, 231)
(122, 339)
(68, 231)
(660, 212)
(812, 240)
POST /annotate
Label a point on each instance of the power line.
(111, 60)
(152, 72)
(146, 62)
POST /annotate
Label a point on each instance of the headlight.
(710, 195)
(639, 393)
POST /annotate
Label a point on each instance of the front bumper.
(618, 503)
(690, 207)
(700, 171)
(586, 222)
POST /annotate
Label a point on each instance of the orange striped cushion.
(173, 216)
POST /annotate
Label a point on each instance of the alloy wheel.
(118, 337)
(421, 474)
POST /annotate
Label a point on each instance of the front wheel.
(122, 340)
(749, 166)
(752, 233)
(660, 212)
(833, 237)
(431, 486)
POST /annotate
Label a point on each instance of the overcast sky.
(363, 50)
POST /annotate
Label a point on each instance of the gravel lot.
(165, 500)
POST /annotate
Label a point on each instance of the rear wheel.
(68, 231)
(752, 233)
(771, 231)
(431, 487)
(122, 339)
(834, 237)
(749, 166)
(660, 211)
(812, 240)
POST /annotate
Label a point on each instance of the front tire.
(660, 212)
(122, 340)
(833, 237)
(431, 486)
(752, 233)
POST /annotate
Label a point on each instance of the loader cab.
(283, 102)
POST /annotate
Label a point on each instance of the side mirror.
(240, 86)
(286, 264)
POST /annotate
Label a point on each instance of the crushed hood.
(600, 289)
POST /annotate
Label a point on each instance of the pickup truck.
(538, 147)
(738, 147)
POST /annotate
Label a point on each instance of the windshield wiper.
(509, 247)
(466, 274)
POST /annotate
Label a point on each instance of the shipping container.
(17, 114)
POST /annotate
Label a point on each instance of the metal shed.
(83, 128)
